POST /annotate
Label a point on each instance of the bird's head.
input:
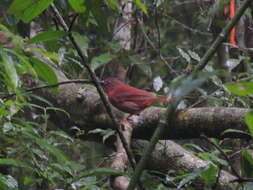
(110, 83)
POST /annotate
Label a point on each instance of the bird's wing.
(127, 93)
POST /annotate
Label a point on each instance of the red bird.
(127, 98)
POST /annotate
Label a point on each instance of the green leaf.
(11, 75)
(78, 5)
(29, 180)
(249, 122)
(209, 175)
(27, 67)
(47, 36)
(63, 135)
(7, 127)
(7, 182)
(246, 164)
(45, 72)
(101, 60)
(194, 55)
(189, 177)
(82, 41)
(113, 4)
(106, 133)
(45, 145)
(29, 9)
(61, 168)
(184, 55)
(140, 5)
(235, 131)
(241, 88)
(14, 162)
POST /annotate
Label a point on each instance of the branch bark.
(168, 155)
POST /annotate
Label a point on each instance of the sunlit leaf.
(28, 9)
(47, 36)
(45, 72)
(249, 122)
(106, 133)
(194, 55)
(11, 74)
(241, 88)
(7, 182)
(78, 5)
(140, 5)
(184, 55)
(247, 164)
(101, 60)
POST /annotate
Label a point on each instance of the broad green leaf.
(194, 55)
(241, 88)
(45, 72)
(101, 60)
(61, 168)
(249, 122)
(184, 55)
(189, 177)
(11, 75)
(78, 5)
(28, 9)
(47, 36)
(212, 156)
(7, 182)
(140, 5)
(82, 41)
(247, 164)
(14, 162)
(209, 175)
(25, 63)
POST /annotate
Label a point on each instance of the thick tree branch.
(168, 155)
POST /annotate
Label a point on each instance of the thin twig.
(223, 154)
(154, 48)
(95, 80)
(72, 22)
(49, 86)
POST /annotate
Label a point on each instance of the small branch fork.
(95, 80)
(226, 157)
